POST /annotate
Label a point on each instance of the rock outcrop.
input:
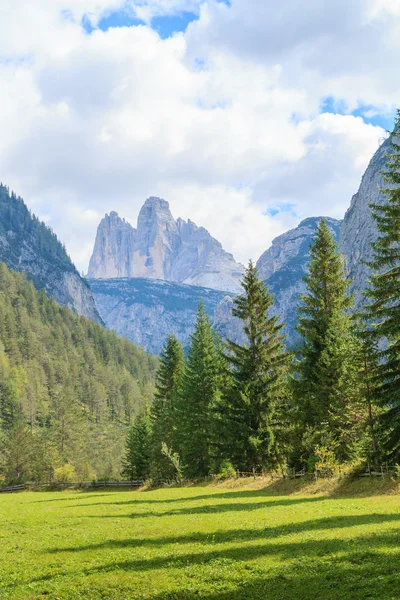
(162, 248)
(146, 311)
(27, 245)
(282, 267)
(358, 229)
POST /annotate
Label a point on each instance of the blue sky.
(258, 115)
(370, 114)
(165, 25)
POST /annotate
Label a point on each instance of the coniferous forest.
(77, 402)
(68, 388)
(332, 400)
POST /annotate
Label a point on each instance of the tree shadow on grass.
(329, 569)
(345, 488)
(223, 507)
(362, 575)
(238, 535)
(69, 499)
(353, 551)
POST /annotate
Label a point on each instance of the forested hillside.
(68, 388)
(28, 245)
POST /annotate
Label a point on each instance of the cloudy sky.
(246, 115)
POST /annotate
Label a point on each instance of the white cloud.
(223, 121)
(147, 9)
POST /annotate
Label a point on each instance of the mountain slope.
(162, 248)
(27, 245)
(358, 229)
(75, 384)
(282, 267)
(146, 311)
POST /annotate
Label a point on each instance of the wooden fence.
(371, 471)
(83, 484)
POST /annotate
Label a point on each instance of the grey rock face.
(282, 267)
(359, 229)
(162, 248)
(228, 326)
(146, 311)
(29, 246)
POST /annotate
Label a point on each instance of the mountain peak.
(156, 203)
(162, 248)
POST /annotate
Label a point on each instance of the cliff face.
(282, 267)
(29, 246)
(359, 228)
(162, 248)
(146, 311)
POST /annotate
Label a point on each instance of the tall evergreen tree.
(258, 378)
(384, 293)
(164, 408)
(200, 392)
(136, 464)
(325, 372)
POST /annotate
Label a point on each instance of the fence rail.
(375, 471)
(82, 484)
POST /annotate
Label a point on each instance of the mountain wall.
(162, 248)
(146, 311)
(358, 229)
(27, 245)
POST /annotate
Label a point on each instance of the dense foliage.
(68, 388)
(164, 411)
(383, 310)
(258, 368)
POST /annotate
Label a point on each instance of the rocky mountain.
(358, 228)
(282, 267)
(146, 311)
(177, 251)
(162, 248)
(27, 245)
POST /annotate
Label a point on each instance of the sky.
(246, 115)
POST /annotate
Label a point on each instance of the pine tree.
(368, 371)
(325, 381)
(384, 294)
(258, 370)
(199, 395)
(165, 405)
(136, 464)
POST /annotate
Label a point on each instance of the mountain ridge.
(28, 245)
(162, 248)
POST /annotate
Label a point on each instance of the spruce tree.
(136, 464)
(383, 309)
(199, 394)
(325, 380)
(258, 369)
(164, 407)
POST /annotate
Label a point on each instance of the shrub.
(226, 470)
(65, 474)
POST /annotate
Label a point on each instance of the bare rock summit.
(162, 248)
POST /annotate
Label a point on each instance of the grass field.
(218, 543)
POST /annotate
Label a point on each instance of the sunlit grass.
(204, 542)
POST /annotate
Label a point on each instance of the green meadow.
(256, 541)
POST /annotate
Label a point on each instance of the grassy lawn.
(218, 543)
